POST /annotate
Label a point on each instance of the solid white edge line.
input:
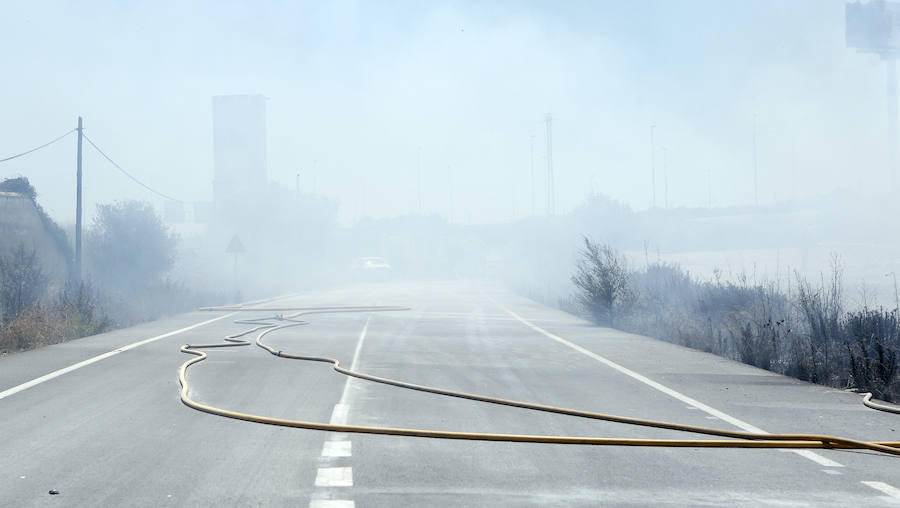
(890, 490)
(815, 457)
(65, 370)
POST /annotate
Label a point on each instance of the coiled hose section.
(739, 439)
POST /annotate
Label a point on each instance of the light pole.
(78, 209)
(551, 183)
(419, 177)
(896, 294)
(532, 174)
(755, 167)
(665, 177)
(871, 28)
(653, 165)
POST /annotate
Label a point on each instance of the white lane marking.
(894, 492)
(831, 471)
(339, 445)
(355, 361)
(95, 359)
(334, 477)
(815, 457)
(331, 503)
(337, 449)
(339, 414)
(342, 408)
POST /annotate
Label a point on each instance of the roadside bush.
(872, 339)
(27, 331)
(602, 280)
(153, 301)
(79, 311)
(22, 283)
(663, 296)
(821, 310)
(74, 314)
(810, 337)
(128, 246)
(129, 250)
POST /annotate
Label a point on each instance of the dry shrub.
(75, 314)
(29, 330)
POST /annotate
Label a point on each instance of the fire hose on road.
(738, 439)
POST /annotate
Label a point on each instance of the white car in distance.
(371, 268)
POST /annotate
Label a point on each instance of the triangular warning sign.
(234, 246)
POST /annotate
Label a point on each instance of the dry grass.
(808, 336)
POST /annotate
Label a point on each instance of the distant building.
(239, 149)
(873, 27)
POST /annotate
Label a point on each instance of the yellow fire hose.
(867, 400)
(265, 326)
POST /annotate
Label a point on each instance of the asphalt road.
(113, 432)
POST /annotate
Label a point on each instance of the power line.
(126, 173)
(38, 148)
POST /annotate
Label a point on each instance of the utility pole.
(78, 205)
(450, 193)
(314, 173)
(665, 177)
(653, 164)
(755, 168)
(891, 63)
(551, 185)
(419, 177)
(532, 174)
(896, 294)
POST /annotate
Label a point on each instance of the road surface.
(111, 430)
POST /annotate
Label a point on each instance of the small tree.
(22, 282)
(602, 281)
(129, 246)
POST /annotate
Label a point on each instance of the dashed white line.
(355, 360)
(339, 414)
(331, 503)
(337, 449)
(342, 408)
(339, 445)
(884, 488)
(815, 457)
(95, 359)
(334, 477)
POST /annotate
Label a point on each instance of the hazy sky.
(355, 88)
